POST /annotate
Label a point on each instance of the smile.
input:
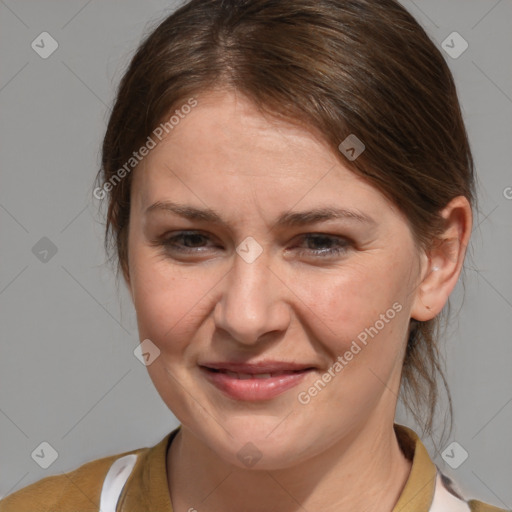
(254, 386)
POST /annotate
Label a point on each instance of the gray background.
(68, 375)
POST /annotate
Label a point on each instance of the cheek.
(336, 306)
(170, 302)
(359, 322)
(345, 302)
(358, 318)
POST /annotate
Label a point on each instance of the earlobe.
(445, 260)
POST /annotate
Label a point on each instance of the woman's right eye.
(190, 240)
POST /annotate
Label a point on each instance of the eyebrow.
(286, 219)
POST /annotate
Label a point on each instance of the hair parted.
(337, 67)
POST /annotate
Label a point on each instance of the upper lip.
(257, 367)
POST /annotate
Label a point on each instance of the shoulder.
(79, 489)
(472, 505)
(423, 469)
(478, 506)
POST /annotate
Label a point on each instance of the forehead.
(226, 153)
(226, 123)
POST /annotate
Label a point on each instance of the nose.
(253, 301)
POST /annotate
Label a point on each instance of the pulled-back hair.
(339, 67)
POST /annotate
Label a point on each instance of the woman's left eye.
(318, 244)
(325, 245)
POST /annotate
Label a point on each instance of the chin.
(260, 443)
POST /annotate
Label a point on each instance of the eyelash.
(170, 244)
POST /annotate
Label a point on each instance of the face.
(274, 327)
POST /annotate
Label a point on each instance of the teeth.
(245, 376)
(241, 376)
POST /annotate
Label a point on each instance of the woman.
(290, 191)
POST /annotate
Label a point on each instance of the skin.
(338, 452)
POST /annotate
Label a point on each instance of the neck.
(364, 472)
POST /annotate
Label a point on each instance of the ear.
(442, 262)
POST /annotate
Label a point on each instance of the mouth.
(266, 375)
(255, 382)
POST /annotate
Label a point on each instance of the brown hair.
(337, 66)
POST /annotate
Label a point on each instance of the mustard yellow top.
(147, 490)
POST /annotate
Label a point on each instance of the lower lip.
(254, 389)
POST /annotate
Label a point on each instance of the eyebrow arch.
(286, 219)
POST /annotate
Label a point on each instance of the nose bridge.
(249, 306)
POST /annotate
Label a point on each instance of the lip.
(266, 366)
(254, 381)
